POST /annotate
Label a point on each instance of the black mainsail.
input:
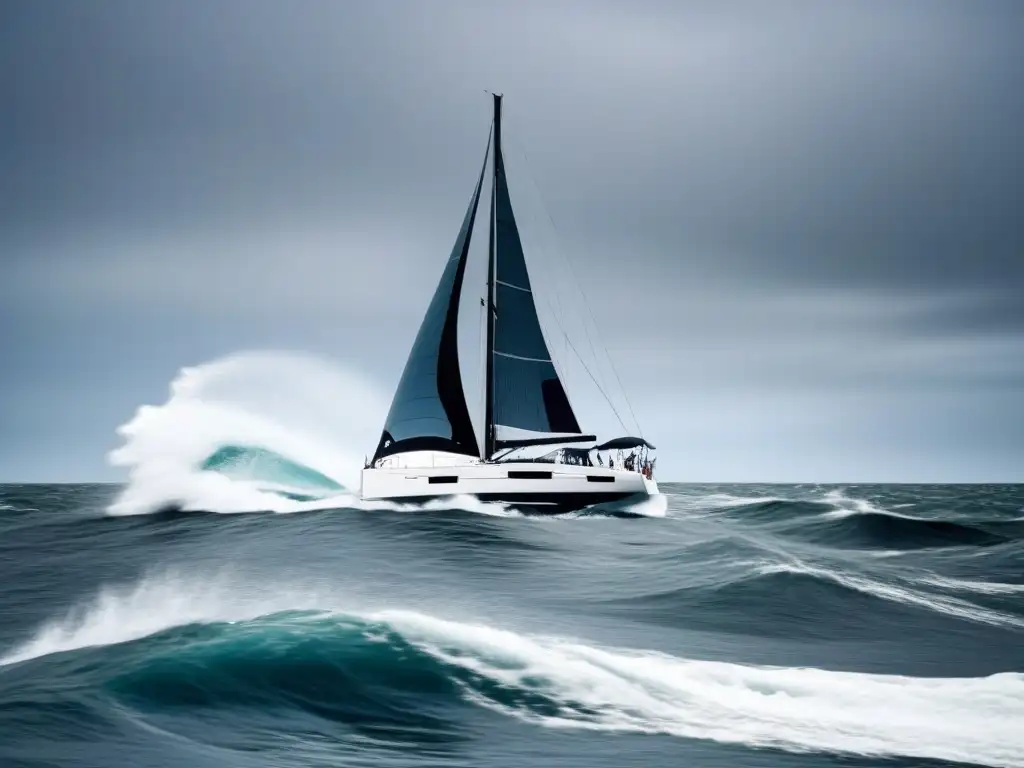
(429, 412)
(526, 403)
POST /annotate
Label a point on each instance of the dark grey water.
(753, 625)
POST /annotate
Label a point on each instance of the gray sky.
(809, 216)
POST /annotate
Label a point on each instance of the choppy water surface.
(748, 625)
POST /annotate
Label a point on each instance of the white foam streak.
(951, 606)
(974, 720)
(724, 500)
(978, 587)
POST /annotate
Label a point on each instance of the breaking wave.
(250, 432)
(170, 642)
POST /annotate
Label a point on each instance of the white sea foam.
(848, 507)
(303, 409)
(650, 506)
(974, 720)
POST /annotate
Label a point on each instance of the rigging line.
(579, 357)
(599, 378)
(593, 321)
(545, 265)
(607, 399)
(556, 318)
(589, 310)
(537, 243)
(556, 310)
(579, 290)
(561, 373)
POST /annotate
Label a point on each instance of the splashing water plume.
(258, 431)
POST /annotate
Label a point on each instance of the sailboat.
(428, 447)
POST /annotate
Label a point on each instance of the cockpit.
(628, 454)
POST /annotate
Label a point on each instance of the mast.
(489, 436)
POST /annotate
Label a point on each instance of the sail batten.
(429, 411)
(517, 287)
(520, 357)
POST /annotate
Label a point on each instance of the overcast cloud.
(800, 225)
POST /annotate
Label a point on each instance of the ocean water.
(231, 604)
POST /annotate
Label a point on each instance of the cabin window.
(528, 474)
(600, 479)
(443, 479)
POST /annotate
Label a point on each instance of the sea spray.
(304, 422)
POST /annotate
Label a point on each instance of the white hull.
(543, 485)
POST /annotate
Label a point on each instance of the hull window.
(443, 479)
(528, 474)
(600, 479)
